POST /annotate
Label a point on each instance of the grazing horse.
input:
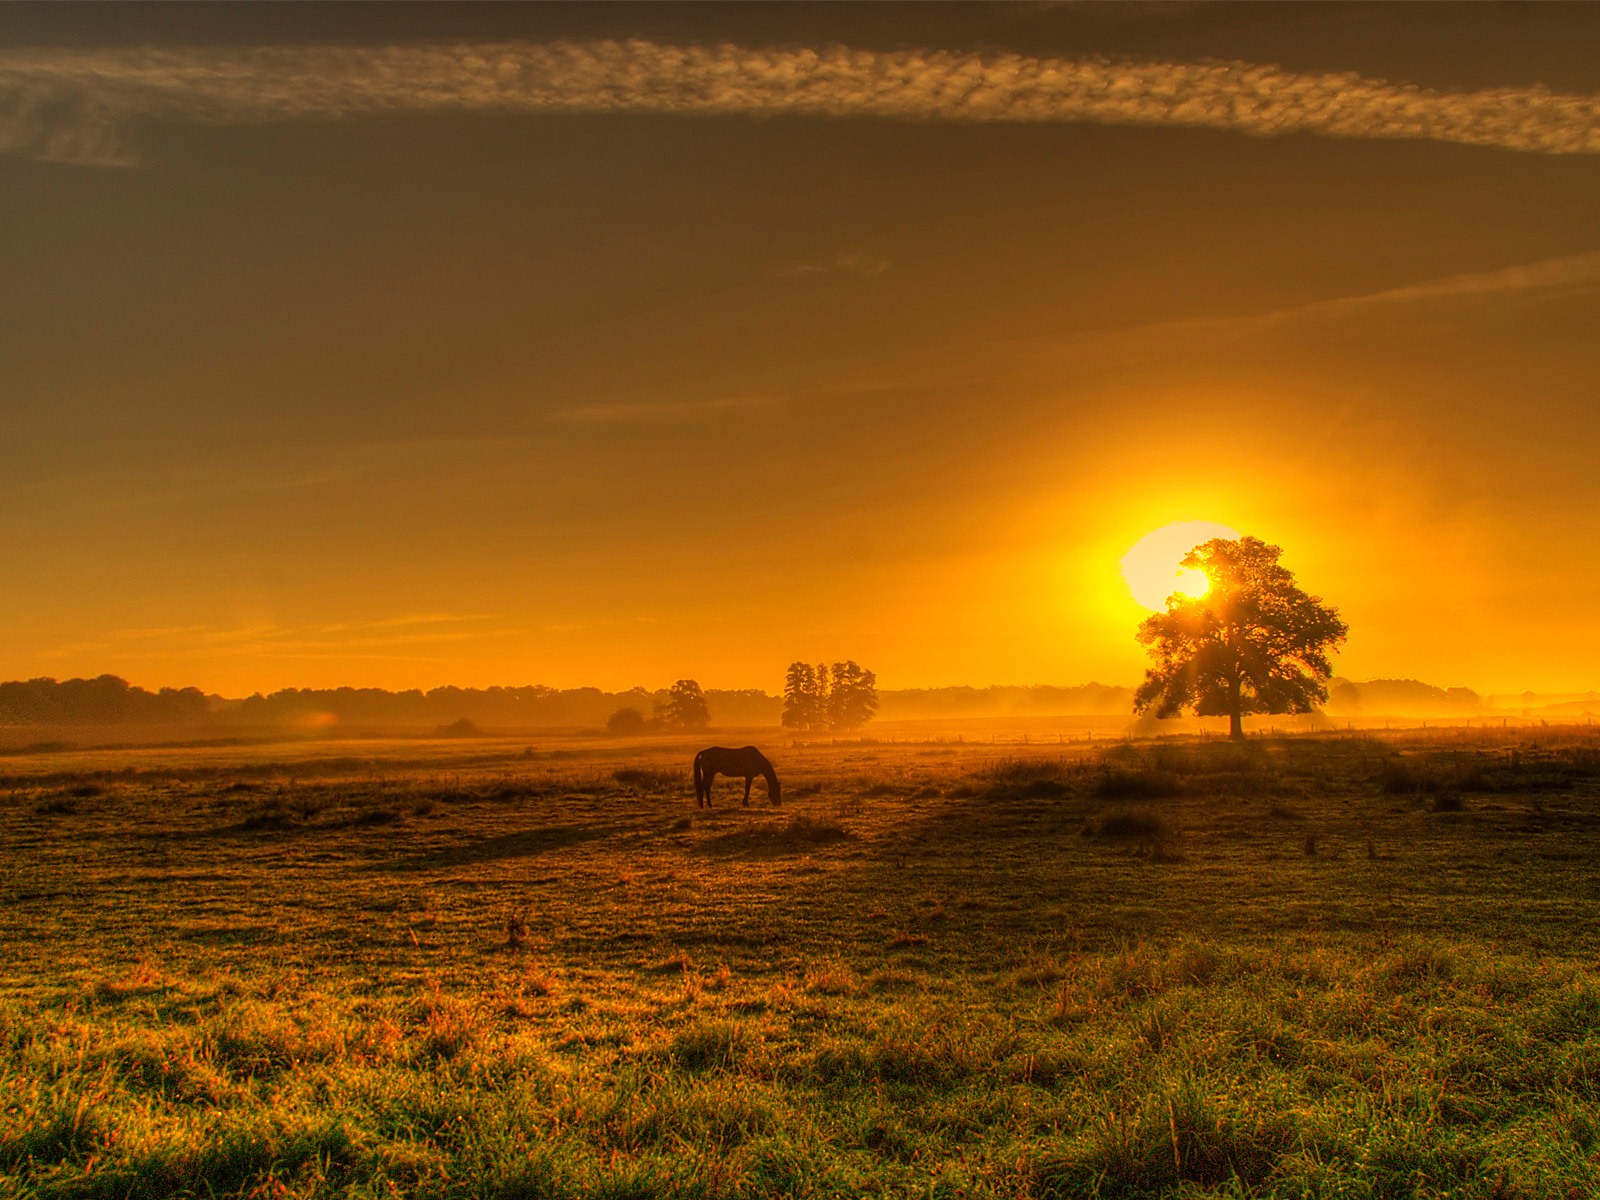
(719, 760)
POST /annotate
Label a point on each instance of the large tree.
(1254, 643)
(805, 696)
(852, 696)
(841, 697)
(685, 707)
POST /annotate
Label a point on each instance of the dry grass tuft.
(517, 930)
(1131, 823)
(832, 979)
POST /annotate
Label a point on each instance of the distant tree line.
(108, 700)
(841, 697)
(1397, 696)
(510, 707)
(104, 700)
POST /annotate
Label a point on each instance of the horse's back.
(726, 759)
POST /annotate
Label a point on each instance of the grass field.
(1311, 966)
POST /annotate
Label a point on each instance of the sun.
(1153, 565)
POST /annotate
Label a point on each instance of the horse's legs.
(711, 777)
(747, 782)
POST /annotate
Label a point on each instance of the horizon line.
(1333, 681)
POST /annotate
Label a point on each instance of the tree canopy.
(843, 696)
(805, 696)
(685, 707)
(1254, 643)
(853, 696)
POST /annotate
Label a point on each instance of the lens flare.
(1153, 566)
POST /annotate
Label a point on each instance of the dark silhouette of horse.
(719, 760)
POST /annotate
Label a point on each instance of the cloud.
(845, 263)
(77, 105)
(61, 125)
(1568, 272)
(656, 411)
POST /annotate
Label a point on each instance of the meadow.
(1349, 965)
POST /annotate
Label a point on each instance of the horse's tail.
(699, 776)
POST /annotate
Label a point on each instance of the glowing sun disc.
(1153, 566)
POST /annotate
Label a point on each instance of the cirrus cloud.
(76, 105)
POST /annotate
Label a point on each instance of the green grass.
(1330, 967)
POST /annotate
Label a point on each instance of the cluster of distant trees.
(104, 700)
(683, 707)
(843, 696)
(838, 697)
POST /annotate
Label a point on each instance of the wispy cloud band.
(1569, 273)
(72, 104)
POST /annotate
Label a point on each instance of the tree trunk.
(1235, 721)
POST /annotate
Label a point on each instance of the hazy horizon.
(24, 703)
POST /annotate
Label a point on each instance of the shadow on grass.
(526, 844)
(798, 835)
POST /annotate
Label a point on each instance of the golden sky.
(611, 345)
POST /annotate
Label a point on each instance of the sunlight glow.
(1152, 566)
